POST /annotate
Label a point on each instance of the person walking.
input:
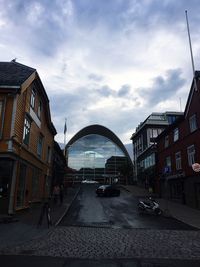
(56, 193)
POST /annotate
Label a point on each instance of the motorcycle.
(149, 206)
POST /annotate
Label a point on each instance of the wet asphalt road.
(114, 212)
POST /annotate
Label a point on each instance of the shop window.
(36, 184)
(21, 186)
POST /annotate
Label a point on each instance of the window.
(153, 133)
(193, 123)
(167, 164)
(33, 94)
(171, 119)
(48, 154)
(21, 189)
(176, 134)
(39, 109)
(166, 141)
(178, 160)
(26, 133)
(1, 116)
(149, 161)
(36, 184)
(39, 146)
(191, 155)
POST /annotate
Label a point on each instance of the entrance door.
(6, 170)
(21, 186)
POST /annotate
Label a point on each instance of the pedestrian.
(56, 193)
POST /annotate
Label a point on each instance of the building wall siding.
(27, 154)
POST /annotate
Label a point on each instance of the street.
(32, 261)
(108, 231)
(114, 212)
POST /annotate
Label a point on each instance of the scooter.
(149, 206)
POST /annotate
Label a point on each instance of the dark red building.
(178, 149)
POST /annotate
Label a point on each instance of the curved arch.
(100, 130)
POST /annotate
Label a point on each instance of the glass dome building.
(96, 154)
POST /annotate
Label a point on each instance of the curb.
(65, 212)
(124, 188)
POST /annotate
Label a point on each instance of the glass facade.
(95, 157)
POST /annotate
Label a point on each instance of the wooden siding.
(27, 154)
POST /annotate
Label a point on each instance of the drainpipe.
(10, 148)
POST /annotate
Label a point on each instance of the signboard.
(196, 167)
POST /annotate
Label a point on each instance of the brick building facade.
(178, 148)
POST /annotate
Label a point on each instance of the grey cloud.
(95, 77)
(43, 28)
(106, 91)
(124, 90)
(163, 88)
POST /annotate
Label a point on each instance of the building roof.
(99, 130)
(156, 119)
(13, 73)
(170, 127)
(192, 90)
(12, 77)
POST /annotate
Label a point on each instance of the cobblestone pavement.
(107, 243)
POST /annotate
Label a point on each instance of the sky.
(107, 62)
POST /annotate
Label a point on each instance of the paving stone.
(104, 243)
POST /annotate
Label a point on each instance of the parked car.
(107, 190)
(89, 182)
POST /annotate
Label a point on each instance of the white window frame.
(178, 160)
(27, 130)
(39, 109)
(33, 96)
(48, 154)
(193, 123)
(176, 134)
(191, 154)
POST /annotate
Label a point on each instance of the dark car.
(107, 191)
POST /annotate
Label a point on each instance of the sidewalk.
(24, 227)
(178, 211)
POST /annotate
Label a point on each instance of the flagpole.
(191, 53)
(65, 133)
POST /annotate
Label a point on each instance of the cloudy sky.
(108, 62)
